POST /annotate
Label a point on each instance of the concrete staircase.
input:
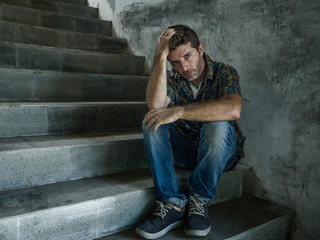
(71, 152)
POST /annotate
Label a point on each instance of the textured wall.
(275, 45)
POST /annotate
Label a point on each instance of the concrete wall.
(275, 45)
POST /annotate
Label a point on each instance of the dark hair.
(183, 35)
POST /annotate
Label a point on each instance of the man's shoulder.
(218, 66)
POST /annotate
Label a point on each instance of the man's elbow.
(236, 113)
(154, 106)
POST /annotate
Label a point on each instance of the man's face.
(187, 61)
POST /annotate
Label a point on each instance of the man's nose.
(184, 66)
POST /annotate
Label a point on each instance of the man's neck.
(202, 76)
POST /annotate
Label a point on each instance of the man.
(191, 124)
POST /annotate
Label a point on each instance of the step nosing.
(39, 71)
(99, 103)
(13, 144)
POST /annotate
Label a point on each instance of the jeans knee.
(217, 133)
(162, 132)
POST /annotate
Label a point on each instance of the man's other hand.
(157, 117)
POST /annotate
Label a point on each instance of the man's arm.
(227, 108)
(157, 87)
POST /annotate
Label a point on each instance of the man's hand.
(161, 116)
(163, 42)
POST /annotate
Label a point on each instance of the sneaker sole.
(160, 233)
(197, 233)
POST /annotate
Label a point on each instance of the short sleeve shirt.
(221, 80)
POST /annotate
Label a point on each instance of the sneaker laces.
(195, 207)
(161, 209)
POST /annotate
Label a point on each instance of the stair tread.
(27, 200)
(31, 142)
(69, 49)
(228, 219)
(87, 204)
(37, 198)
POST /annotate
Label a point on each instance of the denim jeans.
(214, 151)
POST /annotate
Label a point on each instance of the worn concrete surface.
(91, 208)
(240, 219)
(56, 6)
(275, 46)
(32, 161)
(29, 85)
(24, 56)
(20, 33)
(23, 119)
(35, 17)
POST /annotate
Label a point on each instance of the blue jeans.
(214, 151)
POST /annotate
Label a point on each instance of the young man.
(191, 124)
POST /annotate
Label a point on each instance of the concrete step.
(239, 219)
(35, 17)
(25, 119)
(63, 7)
(87, 208)
(23, 56)
(33, 161)
(20, 33)
(50, 86)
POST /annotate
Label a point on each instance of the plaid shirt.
(220, 81)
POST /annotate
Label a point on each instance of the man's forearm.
(157, 87)
(226, 109)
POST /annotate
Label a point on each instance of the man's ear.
(200, 49)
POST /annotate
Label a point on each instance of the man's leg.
(160, 156)
(217, 152)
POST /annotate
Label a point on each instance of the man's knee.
(217, 133)
(162, 131)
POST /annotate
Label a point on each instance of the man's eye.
(174, 63)
(187, 56)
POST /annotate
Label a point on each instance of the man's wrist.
(161, 57)
(180, 112)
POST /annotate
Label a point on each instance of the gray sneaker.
(198, 223)
(162, 221)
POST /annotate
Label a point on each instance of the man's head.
(183, 35)
(186, 54)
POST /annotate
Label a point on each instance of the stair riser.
(44, 165)
(33, 17)
(16, 33)
(27, 120)
(28, 85)
(46, 58)
(90, 220)
(56, 6)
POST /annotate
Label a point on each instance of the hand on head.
(163, 41)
